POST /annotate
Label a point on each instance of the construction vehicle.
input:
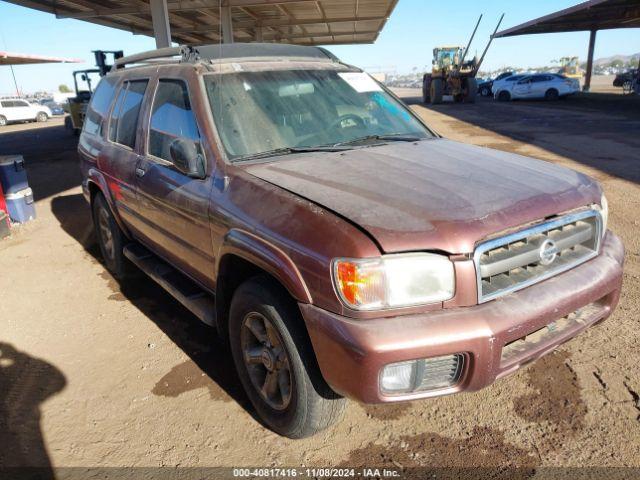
(82, 82)
(453, 76)
(570, 68)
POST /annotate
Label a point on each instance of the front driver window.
(171, 118)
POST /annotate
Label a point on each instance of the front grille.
(520, 259)
(521, 346)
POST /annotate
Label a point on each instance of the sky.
(406, 42)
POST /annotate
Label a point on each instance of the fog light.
(398, 377)
(421, 375)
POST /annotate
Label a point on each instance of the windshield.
(260, 112)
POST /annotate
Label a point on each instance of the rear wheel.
(3, 121)
(276, 363)
(551, 94)
(436, 91)
(485, 91)
(42, 117)
(504, 96)
(110, 238)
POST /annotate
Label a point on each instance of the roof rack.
(192, 54)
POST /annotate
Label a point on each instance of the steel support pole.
(226, 24)
(587, 78)
(160, 18)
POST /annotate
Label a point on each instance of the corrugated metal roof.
(590, 15)
(303, 22)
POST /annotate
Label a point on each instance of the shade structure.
(11, 58)
(591, 15)
(304, 22)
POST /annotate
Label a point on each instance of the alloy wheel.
(105, 233)
(266, 360)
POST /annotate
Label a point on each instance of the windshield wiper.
(393, 137)
(290, 150)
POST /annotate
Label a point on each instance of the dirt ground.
(93, 373)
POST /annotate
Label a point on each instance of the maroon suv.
(342, 247)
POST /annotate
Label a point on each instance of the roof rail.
(152, 55)
(189, 53)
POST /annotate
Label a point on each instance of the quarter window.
(99, 106)
(171, 118)
(124, 118)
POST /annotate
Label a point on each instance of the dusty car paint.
(293, 216)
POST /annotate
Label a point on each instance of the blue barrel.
(13, 176)
(20, 206)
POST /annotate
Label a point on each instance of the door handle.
(140, 172)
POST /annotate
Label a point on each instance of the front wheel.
(3, 121)
(42, 117)
(276, 363)
(504, 96)
(485, 92)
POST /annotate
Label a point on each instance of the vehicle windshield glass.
(259, 112)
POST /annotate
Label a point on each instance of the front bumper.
(351, 353)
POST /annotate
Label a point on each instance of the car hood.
(434, 194)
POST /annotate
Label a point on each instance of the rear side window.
(99, 106)
(124, 118)
(171, 118)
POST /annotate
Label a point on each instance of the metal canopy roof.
(9, 58)
(591, 15)
(303, 22)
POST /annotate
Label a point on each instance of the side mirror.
(185, 156)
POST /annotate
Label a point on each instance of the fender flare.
(268, 257)
(96, 178)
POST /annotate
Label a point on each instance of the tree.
(617, 63)
(64, 89)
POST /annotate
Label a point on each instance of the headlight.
(394, 280)
(604, 211)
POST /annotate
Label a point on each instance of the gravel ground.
(96, 373)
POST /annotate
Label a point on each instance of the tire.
(504, 96)
(111, 240)
(425, 91)
(3, 121)
(472, 90)
(300, 403)
(552, 94)
(42, 117)
(436, 91)
(485, 92)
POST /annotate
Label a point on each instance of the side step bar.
(175, 283)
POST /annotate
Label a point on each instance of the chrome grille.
(520, 259)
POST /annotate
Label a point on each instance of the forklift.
(77, 105)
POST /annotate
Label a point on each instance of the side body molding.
(267, 256)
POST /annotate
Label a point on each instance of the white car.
(18, 110)
(549, 86)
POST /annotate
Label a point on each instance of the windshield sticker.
(360, 82)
